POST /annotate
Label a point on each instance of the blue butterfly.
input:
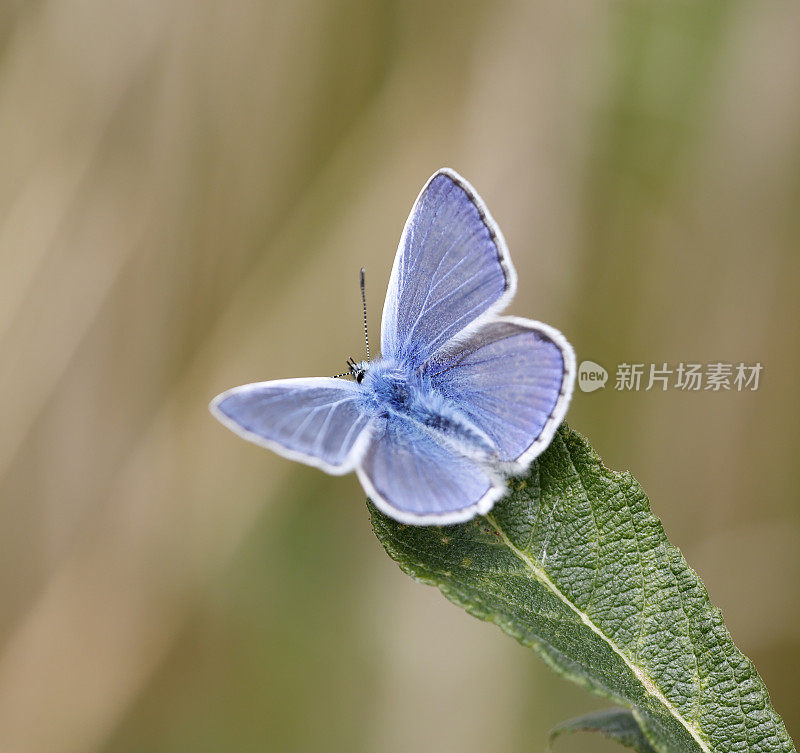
(460, 397)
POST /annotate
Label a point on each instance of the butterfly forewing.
(320, 421)
(451, 268)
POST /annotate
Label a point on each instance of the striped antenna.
(364, 305)
(350, 362)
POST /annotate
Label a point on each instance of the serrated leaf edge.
(638, 672)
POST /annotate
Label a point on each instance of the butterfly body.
(460, 396)
(390, 391)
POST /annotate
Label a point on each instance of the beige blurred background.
(187, 193)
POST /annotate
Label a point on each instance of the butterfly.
(460, 397)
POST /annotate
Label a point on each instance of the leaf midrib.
(647, 683)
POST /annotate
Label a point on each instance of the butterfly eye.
(356, 370)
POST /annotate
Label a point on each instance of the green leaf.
(618, 724)
(573, 564)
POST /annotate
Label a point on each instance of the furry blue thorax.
(389, 388)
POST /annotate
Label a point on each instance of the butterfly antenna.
(352, 365)
(364, 306)
(350, 362)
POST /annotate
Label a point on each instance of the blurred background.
(187, 193)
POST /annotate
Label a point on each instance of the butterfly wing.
(451, 268)
(513, 379)
(318, 421)
(416, 479)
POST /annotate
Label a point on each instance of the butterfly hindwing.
(320, 421)
(416, 479)
(451, 267)
(513, 378)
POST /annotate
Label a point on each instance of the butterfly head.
(357, 370)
